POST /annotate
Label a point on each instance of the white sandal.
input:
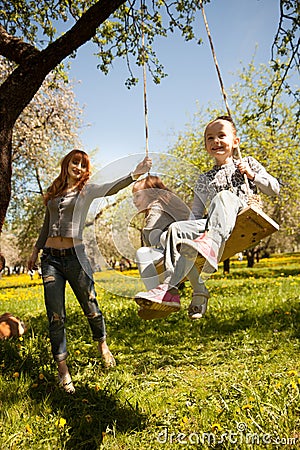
(65, 382)
(198, 306)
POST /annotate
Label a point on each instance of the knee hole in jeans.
(57, 318)
(48, 278)
(93, 315)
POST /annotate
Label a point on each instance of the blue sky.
(239, 28)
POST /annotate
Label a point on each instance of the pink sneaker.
(204, 245)
(158, 298)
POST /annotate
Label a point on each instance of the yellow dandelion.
(21, 338)
(61, 422)
(185, 419)
(28, 429)
(292, 372)
(287, 313)
(293, 385)
(41, 376)
(251, 399)
(248, 406)
(77, 352)
(278, 385)
(16, 375)
(216, 427)
(97, 388)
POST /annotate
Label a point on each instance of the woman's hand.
(32, 260)
(142, 168)
(245, 168)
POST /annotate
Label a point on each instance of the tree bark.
(33, 67)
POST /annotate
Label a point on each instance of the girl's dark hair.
(157, 190)
(60, 183)
(227, 118)
(150, 182)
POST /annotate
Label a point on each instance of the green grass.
(228, 381)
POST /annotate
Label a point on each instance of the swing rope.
(144, 80)
(249, 193)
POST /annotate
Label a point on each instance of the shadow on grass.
(90, 412)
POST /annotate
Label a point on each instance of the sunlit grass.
(177, 383)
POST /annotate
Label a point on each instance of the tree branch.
(14, 49)
(83, 30)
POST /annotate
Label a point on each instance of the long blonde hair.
(60, 183)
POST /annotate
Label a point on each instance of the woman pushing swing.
(64, 257)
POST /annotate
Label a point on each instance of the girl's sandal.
(108, 360)
(198, 306)
(65, 382)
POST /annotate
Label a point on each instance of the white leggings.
(147, 258)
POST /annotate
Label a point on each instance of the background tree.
(118, 228)
(28, 38)
(46, 128)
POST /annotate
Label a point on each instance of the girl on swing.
(222, 191)
(64, 258)
(160, 207)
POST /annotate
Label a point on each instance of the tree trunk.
(250, 258)
(33, 67)
(5, 171)
(226, 266)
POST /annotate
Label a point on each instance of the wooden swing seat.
(252, 225)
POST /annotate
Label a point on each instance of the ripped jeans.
(76, 269)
